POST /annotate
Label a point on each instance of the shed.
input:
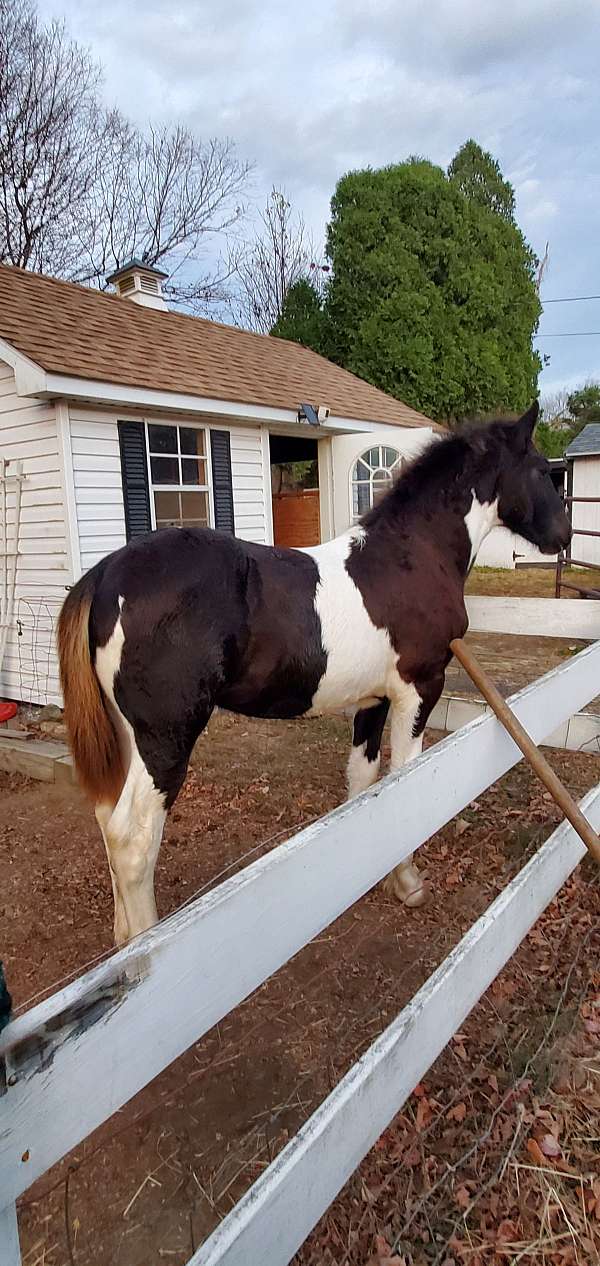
(583, 457)
(121, 416)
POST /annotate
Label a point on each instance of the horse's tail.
(92, 735)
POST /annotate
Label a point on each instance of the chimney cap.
(136, 264)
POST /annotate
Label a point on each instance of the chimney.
(140, 282)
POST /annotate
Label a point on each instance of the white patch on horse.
(479, 521)
(361, 661)
(133, 829)
(360, 771)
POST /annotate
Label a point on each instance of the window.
(372, 476)
(178, 462)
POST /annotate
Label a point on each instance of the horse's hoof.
(416, 898)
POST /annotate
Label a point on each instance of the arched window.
(372, 476)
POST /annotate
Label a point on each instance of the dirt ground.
(457, 1177)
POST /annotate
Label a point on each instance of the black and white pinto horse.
(180, 621)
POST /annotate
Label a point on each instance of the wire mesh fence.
(36, 622)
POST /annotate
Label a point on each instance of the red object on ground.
(7, 711)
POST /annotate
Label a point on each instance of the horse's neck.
(456, 526)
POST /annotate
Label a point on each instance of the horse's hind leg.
(364, 760)
(132, 835)
(409, 718)
(121, 931)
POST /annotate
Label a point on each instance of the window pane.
(193, 472)
(166, 506)
(361, 497)
(162, 439)
(372, 457)
(165, 470)
(390, 456)
(361, 471)
(194, 508)
(382, 477)
(191, 440)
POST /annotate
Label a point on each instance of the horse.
(180, 621)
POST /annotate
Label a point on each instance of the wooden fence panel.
(535, 617)
(275, 1216)
(77, 1057)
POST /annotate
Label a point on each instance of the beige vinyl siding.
(249, 490)
(97, 482)
(28, 431)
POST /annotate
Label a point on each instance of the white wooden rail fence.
(73, 1060)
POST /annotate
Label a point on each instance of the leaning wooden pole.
(531, 752)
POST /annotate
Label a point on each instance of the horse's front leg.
(364, 760)
(409, 718)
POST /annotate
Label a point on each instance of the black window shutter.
(134, 473)
(220, 450)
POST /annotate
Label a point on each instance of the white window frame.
(152, 487)
(362, 457)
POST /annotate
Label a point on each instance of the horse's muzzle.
(559, 538)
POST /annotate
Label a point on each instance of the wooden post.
(559, 566)
(531, 752)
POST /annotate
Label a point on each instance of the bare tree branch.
(280, 254)
(82, 190)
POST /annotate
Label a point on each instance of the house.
(583, 481)
(118, 415)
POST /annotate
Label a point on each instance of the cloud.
(309, 91)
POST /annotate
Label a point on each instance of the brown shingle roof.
(70, 330)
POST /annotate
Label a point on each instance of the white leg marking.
(405, 882)
(121, 930)
(133, 831)
(133, 834)
(360, 771)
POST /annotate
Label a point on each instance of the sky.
(309, 90)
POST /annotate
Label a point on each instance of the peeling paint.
(34, 1054)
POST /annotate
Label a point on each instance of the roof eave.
(30, 378)
(134, 397)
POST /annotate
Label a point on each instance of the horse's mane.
(443, 462)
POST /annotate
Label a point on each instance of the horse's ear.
(520, 433)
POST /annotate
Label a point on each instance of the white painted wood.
(148, 398)
(534, 617)
(162, 992)
(29, 434)
(586, 515)
(96, 461)
(273, 1219)
(251, 492)
(29, 377)
(579, 734)
(10, 1252)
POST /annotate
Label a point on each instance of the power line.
(573, 334)
(571, 299)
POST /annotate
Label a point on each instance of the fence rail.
(566, 560)
(274, 1217)
(66, 1065)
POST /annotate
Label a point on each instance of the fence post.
(10, 1253)
(559, 567)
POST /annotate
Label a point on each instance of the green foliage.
(479, 177)
(553, 441)
(432, 296)
(302, 318)
(584, 404)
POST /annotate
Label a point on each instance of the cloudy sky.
(310, 88)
